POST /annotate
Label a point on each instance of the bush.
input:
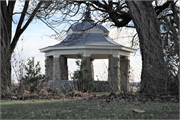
(61, 95)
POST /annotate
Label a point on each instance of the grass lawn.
(82, 109)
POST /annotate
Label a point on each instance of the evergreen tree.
(33, 76)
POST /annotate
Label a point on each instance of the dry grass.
(83, 109)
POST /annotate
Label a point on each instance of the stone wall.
(101, 86)
(66, 86)
(60, 85)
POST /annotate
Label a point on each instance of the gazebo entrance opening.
(100, 69)
(72, 67)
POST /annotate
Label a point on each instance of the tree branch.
(18, 29)
(114, 15)
(16, 38)
(159, 9)
(32, 16)
(11, 6)
(3, 8)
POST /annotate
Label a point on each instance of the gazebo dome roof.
(87, 33)
(88, 38)
(87, 24)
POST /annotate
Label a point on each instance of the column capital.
(86, 55)
(56, 56)
(46, 57)
(126, 57)
(115, 55)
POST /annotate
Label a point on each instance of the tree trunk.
(6, 28)
(5, 71)
(148, 29)
(5, 65)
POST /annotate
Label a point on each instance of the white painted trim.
(87, 52)
(124, 53)
(52, 48)
(128, 49)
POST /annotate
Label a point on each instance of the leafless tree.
(29, 11)
(169, 25)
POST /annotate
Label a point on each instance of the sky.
(36, 37)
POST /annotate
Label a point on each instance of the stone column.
(63, 68)
(56, 69)
(114, 73)
(49, 67)
(125, 65)
(88, 66)
(92, 68)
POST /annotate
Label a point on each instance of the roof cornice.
(52, 48)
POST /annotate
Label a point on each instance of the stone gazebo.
(91, 40)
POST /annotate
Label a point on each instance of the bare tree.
(34, 9)
(169, 25)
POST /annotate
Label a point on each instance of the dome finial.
(88, 13)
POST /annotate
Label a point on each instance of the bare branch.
(19, 31)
